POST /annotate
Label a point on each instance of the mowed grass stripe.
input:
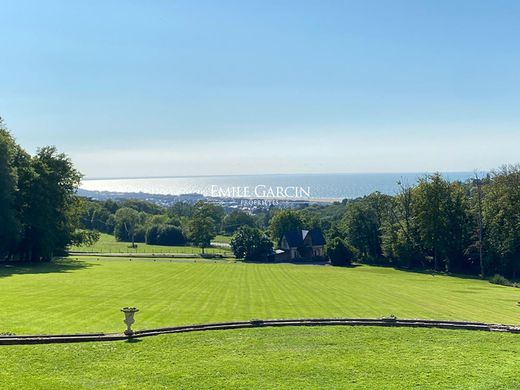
(86, 296)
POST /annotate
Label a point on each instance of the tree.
(284, 221)
(431, 214)
(9, 226)
(165, 235)
(501, 216)
(400, 239)
(251, 244)
(127, 222)
(85, 237)
(340, 253)
(363, 224)
(201, 231)
(236, 219)
(49, 208)
(477, 208)
(209, 210)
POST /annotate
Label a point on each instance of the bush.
(340, 253)
(501, 280)
(165, 235)
(171, 235)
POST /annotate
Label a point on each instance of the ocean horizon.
(332, 186)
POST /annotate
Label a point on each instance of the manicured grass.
(108, 244)
(86, 295)
(271, 358)
(222, 239)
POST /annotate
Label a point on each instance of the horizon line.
(274, 174)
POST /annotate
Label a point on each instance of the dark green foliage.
(201, 230)
(251, 244)
(141, 206)
(181, 209)
(127, 224)
(340, 253)
(39, 211)
(501, 280)
(285, 221)
(236, 219)
(9, 224)
(165, 235)
(363, 223)
(84, 237)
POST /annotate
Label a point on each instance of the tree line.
(139, 221)
(469, 228)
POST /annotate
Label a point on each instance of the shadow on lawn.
(59, 265)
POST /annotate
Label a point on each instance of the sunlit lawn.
(108, 244)
(274, 358)
(86, 295)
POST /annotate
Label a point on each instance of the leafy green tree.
(181, 209)
(9, 223)
(51, 209)
(85, 237)
(363, 224)
(400, 239)
(165, 235)
(284, 221)
(127, 224)
(201, 231)
(340, 253)
(251, 244)
(432, 196)
(209, 210)
(236, 219)
(501, 214)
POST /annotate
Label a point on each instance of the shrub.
(340, 253)
(501, 280)
(171, 235)
(165, 235)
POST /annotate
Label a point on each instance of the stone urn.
(129, 319)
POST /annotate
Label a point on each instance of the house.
(301, 244)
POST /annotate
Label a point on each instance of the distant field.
(108, 244)
(86, 295)
(274, 358)
(223, 239)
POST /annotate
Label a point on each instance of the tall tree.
(363, 224)
(284, 221)
(50, 217)
(9, 224)
(430, 209)
(501, 214)
(201, 231)
(127, 222)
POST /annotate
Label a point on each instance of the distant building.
(301, 244)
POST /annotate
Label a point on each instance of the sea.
(334, 186)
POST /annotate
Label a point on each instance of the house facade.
(301, 244)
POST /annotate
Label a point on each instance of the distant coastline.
(327, 187)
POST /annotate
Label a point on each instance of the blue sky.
(133, 88)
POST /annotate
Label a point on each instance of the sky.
(176, 88)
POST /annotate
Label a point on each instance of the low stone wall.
(387, 322)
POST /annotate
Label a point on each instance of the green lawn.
(274, 358)
(86, 295)
(108, 244)
(222, 239)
